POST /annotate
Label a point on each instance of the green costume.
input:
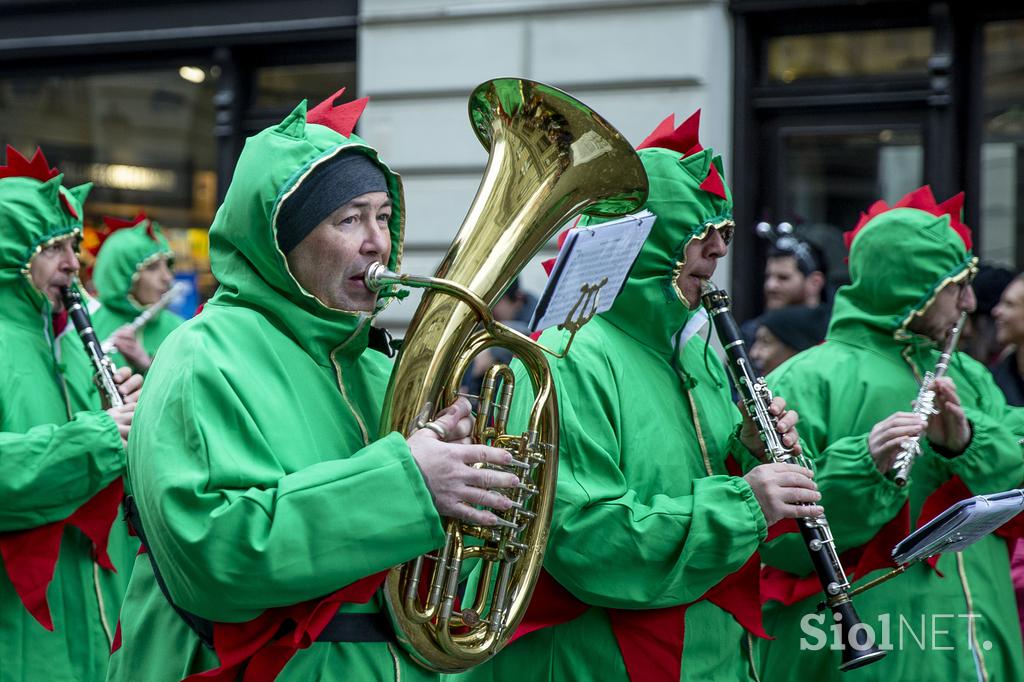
(646, 516)
(58, 450)
(867, 369)
(122, 256)
(255, 470)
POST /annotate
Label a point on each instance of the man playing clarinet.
(61, 453)
(652, 553)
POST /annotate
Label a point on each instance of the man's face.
(54, 267)
(330, 262)
(1009, 314)
(942, 314)
(784, 284)
(152, 282)
(768, 352)
(701, 259)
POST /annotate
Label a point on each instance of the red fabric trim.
(116, 644)
(60, 323)
(651, 642)
(550, 605)
(260, 648)
(19, 166)
(30, 556)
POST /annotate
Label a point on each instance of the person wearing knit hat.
(783, 332)
(911, 267)
(133, 272)
(651, 566)
(65, 552)
(269, 508)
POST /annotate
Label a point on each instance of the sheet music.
(588, 256)
(960, 526)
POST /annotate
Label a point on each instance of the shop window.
(1002, 162)
(892, 52)
(143, 138)
(286, 86)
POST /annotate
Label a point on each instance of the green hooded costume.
(129, 248)
(961, 625)
(646, 516)
(255, 471)
(58, 451)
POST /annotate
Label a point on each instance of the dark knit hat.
(797, 326)
(333, 184)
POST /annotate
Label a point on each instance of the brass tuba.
(551, 158)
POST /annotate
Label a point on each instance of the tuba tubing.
(551, 158)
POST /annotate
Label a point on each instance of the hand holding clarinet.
(119, 388)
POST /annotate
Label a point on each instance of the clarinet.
(147, 314)
(100, 362)
(924, 406)
(859, 648)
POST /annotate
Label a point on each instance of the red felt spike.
(683, 139)
(922, 199)
(664, 129)
(713, 183)
(20, 167)
(342, 118)
(66, 203)
(113, 224)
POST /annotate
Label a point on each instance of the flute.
(859, 648)
(924, 406)
(146, 315)
(100, 362)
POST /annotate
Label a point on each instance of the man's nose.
(968, 301)
(715, 246)
(69, 259)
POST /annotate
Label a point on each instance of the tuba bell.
(551, 158)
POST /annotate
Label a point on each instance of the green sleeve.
(993, 461)
(613, 546)
(51, 470)
(843, 471)
(234, 534)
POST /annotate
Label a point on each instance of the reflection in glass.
(891, 52)
(143, 138)
(1002, 213)
(830, 177)
(286, 86)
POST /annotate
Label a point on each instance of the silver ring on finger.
(438, 429)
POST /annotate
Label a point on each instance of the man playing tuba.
(269, 510)
(648, 524)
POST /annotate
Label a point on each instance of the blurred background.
(818, 107)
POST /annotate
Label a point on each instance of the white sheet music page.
(588, 257)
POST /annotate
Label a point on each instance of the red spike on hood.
(342, 118)
(922, 199)
(683, 139)
(113, 224)
(713, 183)
(20, 167)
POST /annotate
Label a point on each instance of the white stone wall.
(632, 62)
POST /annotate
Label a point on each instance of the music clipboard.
(960, 526)
(591, 269)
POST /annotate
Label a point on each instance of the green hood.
(244, 254)
(650, 307)
(899, 260)
(123, 254)
(33, 213)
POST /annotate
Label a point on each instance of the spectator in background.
(980, 338)
(794, 274)
(784, 332)
(1009, 330)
